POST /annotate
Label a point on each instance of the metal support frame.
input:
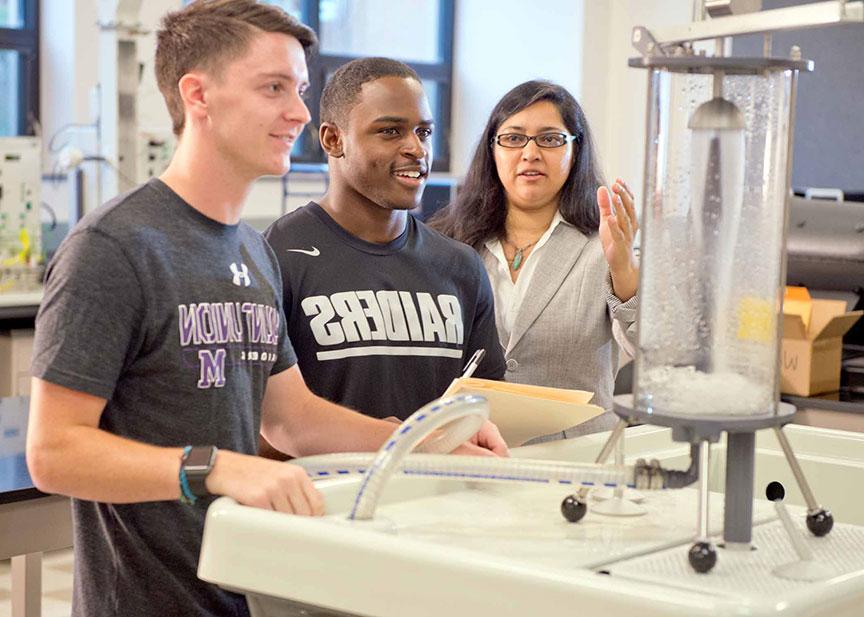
(809, 498)
(704, 466)
(606, 450)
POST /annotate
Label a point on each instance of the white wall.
(613, 94)
(498, 45)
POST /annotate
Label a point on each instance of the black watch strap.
(197, 465)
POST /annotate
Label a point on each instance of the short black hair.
(342, 90)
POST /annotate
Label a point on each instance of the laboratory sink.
(444, 547)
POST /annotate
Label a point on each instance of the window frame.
(25, 41)
(441, 72)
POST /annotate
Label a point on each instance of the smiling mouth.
(531, 174)
(288, 140)
(415, 175)
(412, 178)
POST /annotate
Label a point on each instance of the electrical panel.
(20, 222)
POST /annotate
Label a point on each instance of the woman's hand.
(618, 227)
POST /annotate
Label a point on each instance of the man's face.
(387, 143)
(255, 108)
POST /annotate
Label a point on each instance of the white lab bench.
(465, 548)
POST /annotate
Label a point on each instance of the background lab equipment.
(825, 246)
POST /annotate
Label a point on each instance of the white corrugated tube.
(459, 418)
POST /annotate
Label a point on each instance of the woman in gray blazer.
(556, 242)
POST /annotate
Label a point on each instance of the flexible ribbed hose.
(461, 417)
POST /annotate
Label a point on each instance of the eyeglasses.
(543, 140)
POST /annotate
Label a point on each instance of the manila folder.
(523, 412)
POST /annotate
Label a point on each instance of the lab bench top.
(19, 309)
(15, 482)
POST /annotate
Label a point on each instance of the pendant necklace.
(518, 258)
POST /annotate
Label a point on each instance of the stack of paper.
(523, 412)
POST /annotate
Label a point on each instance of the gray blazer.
(562, 334)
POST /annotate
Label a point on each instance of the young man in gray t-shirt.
(161, 336)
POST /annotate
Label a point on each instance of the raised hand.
(618, 227)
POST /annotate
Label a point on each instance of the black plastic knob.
(702, 557)
(775, 491)
(573, 508)
(820, 523)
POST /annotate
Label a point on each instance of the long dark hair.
(479, 210)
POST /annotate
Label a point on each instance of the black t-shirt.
(382, 329)
(176, 320)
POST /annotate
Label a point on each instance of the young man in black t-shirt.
(382, 311)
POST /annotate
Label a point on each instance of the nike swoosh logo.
(314, 252)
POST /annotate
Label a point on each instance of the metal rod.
(812, 504)
(781, 283)
(616, 433)
(738, 498)
(718, 84)
(619, 462)
(704, 465)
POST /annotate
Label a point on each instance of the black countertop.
(15, 482)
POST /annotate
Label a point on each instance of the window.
(417, 32)
(19, 67)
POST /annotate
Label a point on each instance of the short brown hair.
(208, 33)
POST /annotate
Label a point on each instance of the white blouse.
(509, 295)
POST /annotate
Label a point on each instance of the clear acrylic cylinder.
(713, 233)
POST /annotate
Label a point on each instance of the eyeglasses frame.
(567, 139)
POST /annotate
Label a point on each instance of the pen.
(473, 362)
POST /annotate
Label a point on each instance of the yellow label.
(756, 320)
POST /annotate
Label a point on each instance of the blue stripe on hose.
(454, 474)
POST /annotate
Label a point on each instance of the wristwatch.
(196, 465)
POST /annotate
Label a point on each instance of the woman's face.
(533, 176)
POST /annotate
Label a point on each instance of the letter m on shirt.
(212, 368)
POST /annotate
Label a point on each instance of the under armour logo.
(241, 275)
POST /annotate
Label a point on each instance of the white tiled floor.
(56, 585)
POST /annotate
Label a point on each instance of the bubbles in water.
(710, 271)
(682, 390)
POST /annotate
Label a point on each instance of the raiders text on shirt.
(347, 317)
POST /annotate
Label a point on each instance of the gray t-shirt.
(177, 321)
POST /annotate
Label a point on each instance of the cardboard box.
(812, 342)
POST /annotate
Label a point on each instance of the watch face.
(199, 459)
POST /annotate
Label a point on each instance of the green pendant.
(517, 260)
